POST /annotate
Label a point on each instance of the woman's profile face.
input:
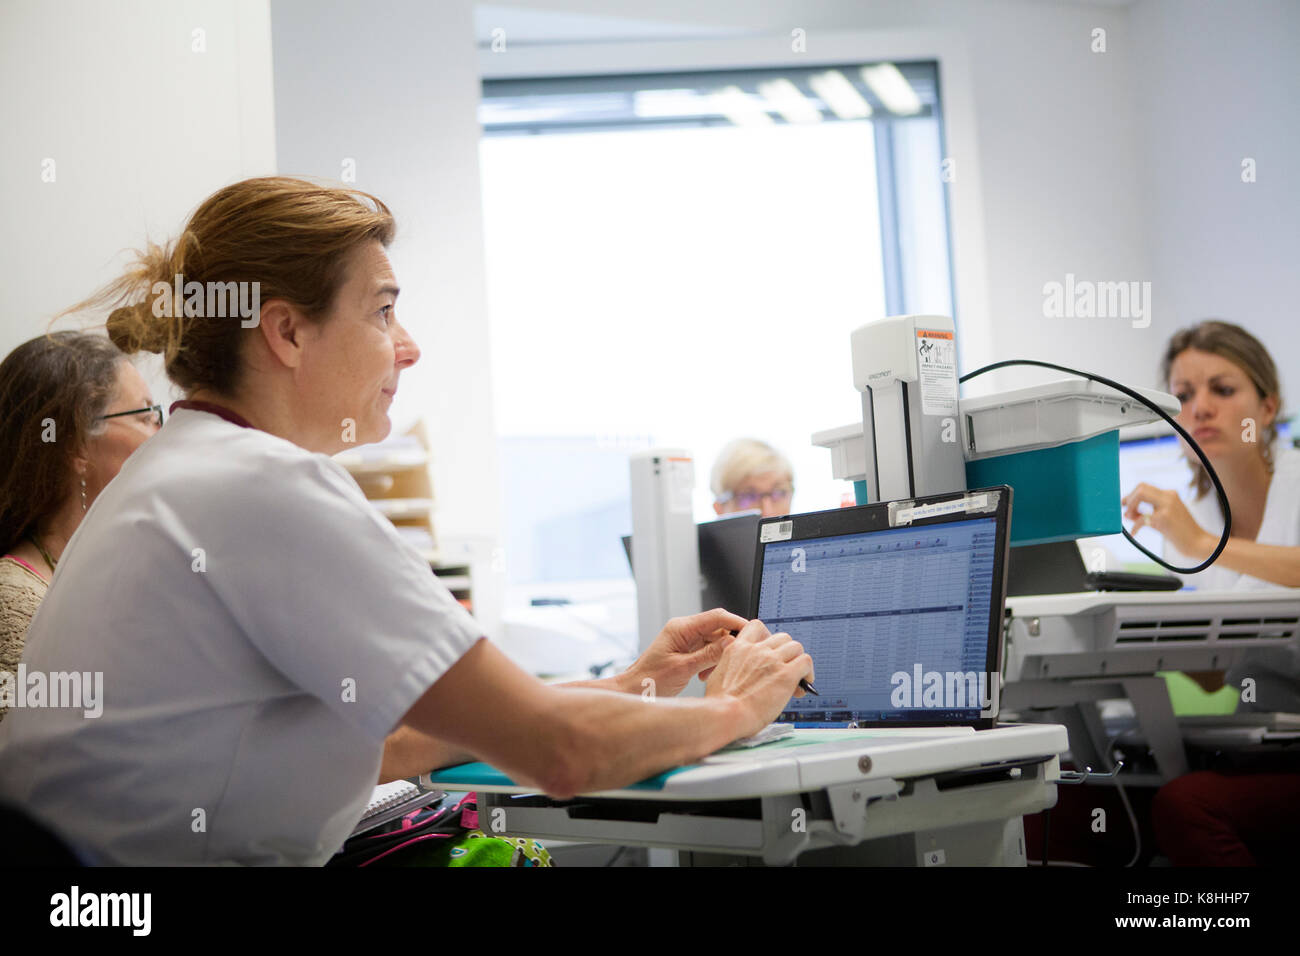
(120, 435)
(357, 352)
(1221, 407)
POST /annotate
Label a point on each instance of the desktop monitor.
(726, 561)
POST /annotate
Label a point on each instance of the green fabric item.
(1189, 700)
(476, 848)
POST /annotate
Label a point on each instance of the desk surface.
(810, 760)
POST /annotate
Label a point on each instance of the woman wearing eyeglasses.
(750, 475)
(72, 408)
(272, 647)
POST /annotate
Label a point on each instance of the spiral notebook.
(392, 800)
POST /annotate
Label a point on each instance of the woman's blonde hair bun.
(137, 326)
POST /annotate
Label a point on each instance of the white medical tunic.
(1276, 672)
(1281, 526)
(260, 629)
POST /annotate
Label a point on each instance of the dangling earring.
(83, 494)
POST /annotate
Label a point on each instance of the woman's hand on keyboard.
(762, 671)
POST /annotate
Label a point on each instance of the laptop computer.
(871, 588)
(899, 603)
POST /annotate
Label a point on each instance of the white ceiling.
(530, 21)
(533, 25)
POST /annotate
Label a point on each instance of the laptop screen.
(903, 623)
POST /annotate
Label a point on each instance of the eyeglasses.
(155, 411)
(749, 499)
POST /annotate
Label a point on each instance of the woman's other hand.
(762, 670)
(685, 647)
(1170, 517)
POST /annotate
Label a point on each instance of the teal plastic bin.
(1059, 494)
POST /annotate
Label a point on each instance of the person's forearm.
(619, 682)
(408, 753)
(1274, 563)
(569, 740)
(608, 740)
(586, 739)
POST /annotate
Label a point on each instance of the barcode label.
(780, 531)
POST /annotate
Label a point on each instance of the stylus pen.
(803, 682)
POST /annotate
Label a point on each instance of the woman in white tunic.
(1230, 394)
(1229, 389)
(265, 639)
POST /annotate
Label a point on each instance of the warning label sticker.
(936, 363)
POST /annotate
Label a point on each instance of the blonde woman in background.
(1231, 395)
(750, 474)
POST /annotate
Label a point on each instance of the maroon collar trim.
(213, 409)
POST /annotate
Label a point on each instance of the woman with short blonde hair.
(750, 474)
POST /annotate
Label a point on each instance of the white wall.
(393, 87)
(140, 126)
(1219, 82)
